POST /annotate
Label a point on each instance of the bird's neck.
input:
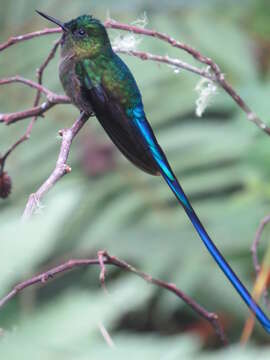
(93, 52)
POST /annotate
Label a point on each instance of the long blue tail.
(173, 183)
(225, 267)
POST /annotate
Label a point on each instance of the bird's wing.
(118, 124)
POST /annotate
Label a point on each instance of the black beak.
(55, 21)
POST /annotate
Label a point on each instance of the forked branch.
(104, 259)
(61, 167)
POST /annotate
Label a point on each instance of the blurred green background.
(105, 203)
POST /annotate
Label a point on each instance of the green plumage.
(98, 81)
(90, 59)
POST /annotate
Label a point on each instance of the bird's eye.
(81, 32)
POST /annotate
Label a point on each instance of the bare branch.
(212, 318)
(23, 138)
(254, 248)
(30, 83)
(35, 111)
(52, 100)
(17, 39)
(61, 168)
(41, 70)
(256, 242)
(106, 335)
(176, 63)
(41, 89)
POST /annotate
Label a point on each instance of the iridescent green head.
(84, 36)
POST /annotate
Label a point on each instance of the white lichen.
(141, 22)
(125, 43)
(176, 69)
(129, 41)
(206, 89)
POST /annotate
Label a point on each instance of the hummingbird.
(98, 81)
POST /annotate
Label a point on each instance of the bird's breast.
(72, 85)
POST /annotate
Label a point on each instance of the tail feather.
(225, 267)
(173, 183)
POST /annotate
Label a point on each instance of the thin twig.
(25, 137)
(212, 318)
(256, 242)
(260, 285)
(52, 100)
(42, 68)
(61, 166)
(30, 126)
(175, 63)
(254, 249)
(258, 290)
(39, 87)
(17, 39)
(30, 83)
(107, 337)
(262, 274)
(11, 118)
